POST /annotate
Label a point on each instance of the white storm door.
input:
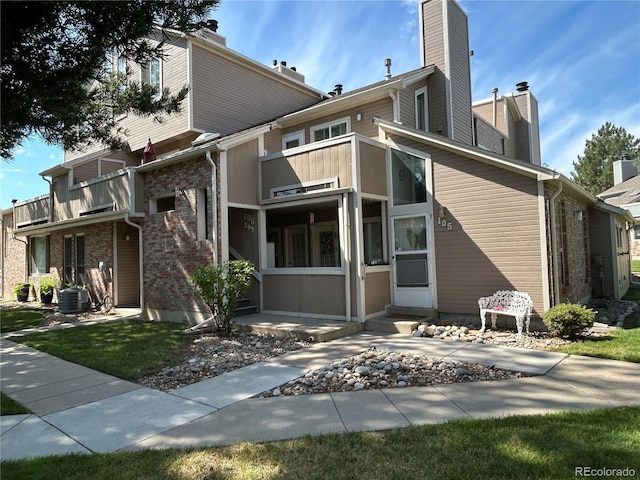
(411, 261)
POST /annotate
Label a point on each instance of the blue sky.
(581, 59)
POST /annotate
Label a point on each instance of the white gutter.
(554, 246)
(214, 207)
(140, 259)
(396, 104)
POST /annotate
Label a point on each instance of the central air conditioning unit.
(73, 300)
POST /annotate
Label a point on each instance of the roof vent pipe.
(212, 25)
(495, 106)
(338, 89)
(387, 63)
(283, 63)
(522, 86)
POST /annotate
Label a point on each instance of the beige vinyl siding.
(528, 146)
(495, 241)
(434, 55)
(127, 266)
(488, 137)
(229, 96)
(600, 227)
(377, 291)
(373, 169)
(273, 141)
(324, 163)
(382, 108)
(408, 104)
(460, 74)
(242, 173)
(310, 294)
(485, 110)
(85, 171)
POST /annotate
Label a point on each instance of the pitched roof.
(623, 193)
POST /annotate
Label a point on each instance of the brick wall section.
(13, 258)
(171, 248)
(577, 245)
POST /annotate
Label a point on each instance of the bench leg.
(494, 318)
(482, 319)
(519, 322)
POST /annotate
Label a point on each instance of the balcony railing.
(117, 191)
(33, 211)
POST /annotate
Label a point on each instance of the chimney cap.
(522, 86)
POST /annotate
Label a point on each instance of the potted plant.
(21, 291)
(47, 285)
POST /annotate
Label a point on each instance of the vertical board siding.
(328, 162)
(242, 173)
(127, 266)
(373, 169)
(433, 28)
(377, 291)
(310, 294)
(228, 96)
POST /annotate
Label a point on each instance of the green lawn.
(9, 406)
(621, 344)
(127, 350)
(13, 320)
(523, 447)
(635, 265)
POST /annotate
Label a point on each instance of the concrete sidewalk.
(77, 409)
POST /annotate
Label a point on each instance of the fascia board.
(517, 166)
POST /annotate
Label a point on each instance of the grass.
(18, 319)
(8, 406)
(635, 265)
(127, 350)
(620, 344)
(524, 447)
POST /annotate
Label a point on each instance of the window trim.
(331, 182)
(33, 264)
(418, 92)
(332, 123)
(145, 74)
(153, 203)
(299, 135)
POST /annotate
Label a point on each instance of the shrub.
(220, 288)
(21, 289)
(568, 319)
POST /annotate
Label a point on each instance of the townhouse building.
(400, 193)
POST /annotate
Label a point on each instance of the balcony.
(116, 192)
(33, 211)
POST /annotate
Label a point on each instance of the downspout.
(554, 245)
(396, 110)
(50, 197)
(140, 258)
(214, 207)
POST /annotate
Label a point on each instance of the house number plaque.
(249, 222)
(444, 224)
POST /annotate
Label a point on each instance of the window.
(300, 237)
(373, 232)
(422, 119)
(202, 212)
(293, 140)
(166, 203)
(39, 252)
(331, 129)
(80, 260)
(408, 178)
(67, 261)
(152, 74)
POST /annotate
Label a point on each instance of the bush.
(568, 319)
(47, 284)
(220, 288)
(21, 289)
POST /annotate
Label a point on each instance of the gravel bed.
(378, 369)
(211, 355)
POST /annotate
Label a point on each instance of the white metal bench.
(507, 302)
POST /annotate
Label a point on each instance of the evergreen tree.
(53, 77)
(594, 170)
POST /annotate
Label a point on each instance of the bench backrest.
(509, 300)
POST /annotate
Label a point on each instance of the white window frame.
(299, 188)
(418, 92)
(145, 74)
(33, 264)
(299, 135)
(333, 123)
